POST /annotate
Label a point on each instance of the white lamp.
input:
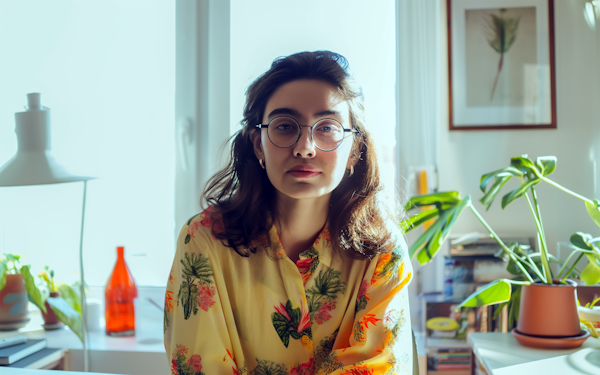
(34, 164)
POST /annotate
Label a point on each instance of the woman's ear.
(255, 137)
(355, 154)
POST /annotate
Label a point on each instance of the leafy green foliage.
(522, 167)
(445, 207)
(66, 314)
(546, 164)
(34, 293)
(594, 211)
(591, 273)
(438, 199)
(495, 292)
(582, 240)
(67, 309)
(3, 270)
(71, 295)
(448, 207)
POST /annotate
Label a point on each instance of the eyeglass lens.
(327, 134)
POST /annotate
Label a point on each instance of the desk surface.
(501, 354)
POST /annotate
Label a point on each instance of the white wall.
(466, 155)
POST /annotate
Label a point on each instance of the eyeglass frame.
(312, 127)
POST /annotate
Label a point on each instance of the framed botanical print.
(501, 64)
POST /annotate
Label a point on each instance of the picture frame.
(501, 70)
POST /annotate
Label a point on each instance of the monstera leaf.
(495, 292)
(448, 207)
(593, 210)
(522, 167)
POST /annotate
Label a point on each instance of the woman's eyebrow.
(284, 111)
(328, 113)
(293, 112)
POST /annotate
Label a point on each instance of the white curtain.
(420, 62)
(420, 65)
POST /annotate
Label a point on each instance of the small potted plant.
(65, 307)
(539, 313)
(14, 282)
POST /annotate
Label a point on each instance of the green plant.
(525, 265)
(66, 307)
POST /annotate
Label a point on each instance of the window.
(106, 71)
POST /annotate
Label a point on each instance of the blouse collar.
(321, 248)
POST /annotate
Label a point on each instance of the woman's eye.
(284, 127)
(325, 129)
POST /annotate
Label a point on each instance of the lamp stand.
(86, 366)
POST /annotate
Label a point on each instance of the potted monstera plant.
(547, 303)
(44, 292)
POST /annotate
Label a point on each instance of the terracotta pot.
(13, 300)
(549, 310)
(49, 316)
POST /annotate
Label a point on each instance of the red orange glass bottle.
(118, 299)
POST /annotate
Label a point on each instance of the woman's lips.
(304, 174)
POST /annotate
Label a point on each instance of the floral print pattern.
(265, 315)
(195, 289)
(323, 294)
(361, 297)
(179, 365)
(168, 303)
(289, 321)
(303, 368)
(308, 265)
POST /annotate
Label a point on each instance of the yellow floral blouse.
(266, 315)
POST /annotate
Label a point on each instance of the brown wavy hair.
(241, 195)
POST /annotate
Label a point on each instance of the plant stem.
(566, 190)
(534, 267)
(572, 267)
(539, 215)
(569, 258)
(502, 245)
(542, 241)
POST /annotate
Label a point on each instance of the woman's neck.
(299, 222)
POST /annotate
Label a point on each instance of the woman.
(295, 267)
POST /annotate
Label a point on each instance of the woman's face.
(307, 101)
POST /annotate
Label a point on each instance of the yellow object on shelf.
(441, 323)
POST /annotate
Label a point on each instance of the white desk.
(501, 354)
(115, 355)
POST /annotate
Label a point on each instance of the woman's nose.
(305, 147)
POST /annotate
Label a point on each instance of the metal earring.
(351, 171)
(262, 163)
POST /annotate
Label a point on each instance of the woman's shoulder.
(394, 265)
(201, 227)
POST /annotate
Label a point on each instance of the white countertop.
(501, 354)
(114, 355)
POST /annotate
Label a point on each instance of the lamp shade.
(34, 164)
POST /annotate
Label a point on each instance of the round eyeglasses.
(327, 134)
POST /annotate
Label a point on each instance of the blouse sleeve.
(195, 332)
(381, 338)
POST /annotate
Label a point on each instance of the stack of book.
(452, 359)
(20, 352)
